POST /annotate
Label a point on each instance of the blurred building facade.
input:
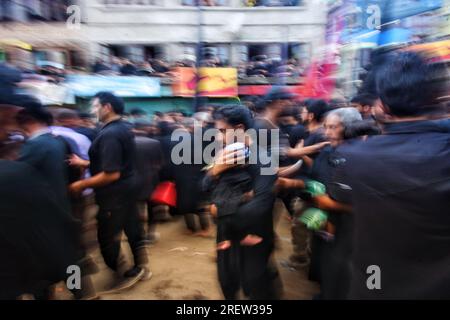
(357, 28)
(230, 30)
(234, 31)
(42, 25)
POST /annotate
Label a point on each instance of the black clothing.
(114, 150)
(333, 258)
(401, 204)
(228, 193)
(38, 239)
(128, 70)
(149, 162)
(100, 67)
(265, 130)
(88, 132)
(47, 154)
(315, 137)
(296, 134)
(249, 267)
(111, 222)
(229, 189)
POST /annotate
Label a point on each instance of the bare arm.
(99, 180)
(308, 161)
(78, 162)
(324, 202)
(224, 161)
(299, 152)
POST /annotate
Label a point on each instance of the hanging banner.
(218, 82)
(212, 82)
(89, 86)
(184, 82)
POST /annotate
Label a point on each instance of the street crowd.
(365, 182)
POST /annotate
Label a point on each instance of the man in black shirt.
(113, 169)
(313, 141)
(401, 203)
(42, 150)
(364, 103)
(313, 115)
(289, 123)
(248, 267)
(38, 236)
(149, 162)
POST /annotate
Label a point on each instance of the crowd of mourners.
(366, 184)
(260, 66)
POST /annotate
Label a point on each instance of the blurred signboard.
(212, 82)
(355, 18)
(400, 9)
(46, 92)
(435, 51)
(218, 82)
(184, 84)
(88, 86)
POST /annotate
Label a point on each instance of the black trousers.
(249, 268)
(111, 222)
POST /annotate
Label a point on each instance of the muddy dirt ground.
(184, 267)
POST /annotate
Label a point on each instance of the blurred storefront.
(358, 27)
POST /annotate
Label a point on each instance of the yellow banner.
(218, 82)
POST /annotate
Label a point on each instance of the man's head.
(337, 121)
(203, 118)
(408, 85)
(176, 115)
(277, 99)
(232, 121)
(314, 112)
(33, 116)
(87, 119)
(106, 105)
(288, 117)
(68, 118)
(364, 103)
(142, 127)
(137, 113)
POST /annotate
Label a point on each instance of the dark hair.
(365, 99)
(33, 111)
(289, 112)
(67, 115)
(235, 115)
(307, 102)
(278, 93)
(139, 124)
(319, 108)
(361, 128)
(84, 115)
(260, 105)
(116, 103)
(137, 112)
(406, 84)
(336, 103)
